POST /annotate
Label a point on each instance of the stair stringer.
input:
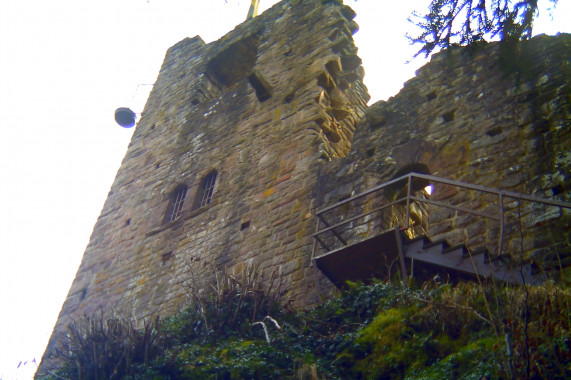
(459, 259)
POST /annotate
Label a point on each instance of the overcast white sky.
(65, 66)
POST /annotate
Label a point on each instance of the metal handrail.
(432, 180)
(332, 228)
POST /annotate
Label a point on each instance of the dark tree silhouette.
(463, 22)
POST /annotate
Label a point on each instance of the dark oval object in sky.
(125, 117)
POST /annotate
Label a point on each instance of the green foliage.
(411, 337)
(472, 361)
(99, 348)
(336, 2)
(227, 306)
(466, 22)
(376, 331)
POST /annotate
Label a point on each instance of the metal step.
(459, 259)
(379, 257)
(459, 249)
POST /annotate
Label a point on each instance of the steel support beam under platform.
(375, 257)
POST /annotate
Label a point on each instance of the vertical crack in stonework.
(340, 101)
(336, 114)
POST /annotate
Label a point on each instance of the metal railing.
(407, 180)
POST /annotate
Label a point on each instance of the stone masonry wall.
(260, 107)
(479, 118)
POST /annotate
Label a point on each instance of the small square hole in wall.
(166, 256)
(448, 116)
(245, 225)
(431, 96)
(289, 97)
(494, 131)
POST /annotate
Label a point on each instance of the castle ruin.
(243, 141)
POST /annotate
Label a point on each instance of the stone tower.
(222, 166)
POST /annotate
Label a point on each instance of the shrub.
(234, 328)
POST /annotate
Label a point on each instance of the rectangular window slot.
(178, 203)
(206, 190)
(261, 86)
(245, 225)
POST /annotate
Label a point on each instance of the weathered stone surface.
(261, 106)
(278, 112)
(465, 118)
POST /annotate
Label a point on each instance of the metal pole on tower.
(253, 12)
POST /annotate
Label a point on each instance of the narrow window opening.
(206, 190)
(176, 203)
(245, 225)
(261, 86)
(128, 222)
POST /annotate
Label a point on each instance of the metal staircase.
(458, 260)
(342, 255)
